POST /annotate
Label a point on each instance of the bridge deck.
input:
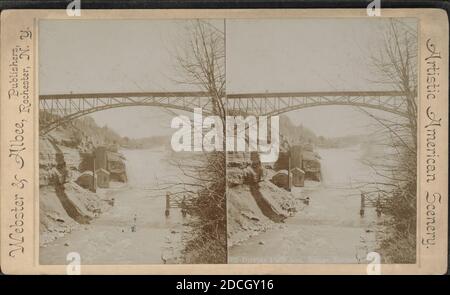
(315, 94)
(58, 109)
(188, 94)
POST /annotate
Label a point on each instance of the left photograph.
(119, 103)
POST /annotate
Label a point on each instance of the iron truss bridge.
(58, 109)
(271, 104)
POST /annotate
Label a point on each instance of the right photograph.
(337, 101)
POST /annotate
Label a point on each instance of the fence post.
(94, 182)
(167, 204)
(363, 204)
(289, 172)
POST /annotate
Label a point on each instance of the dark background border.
(217, 4)
(167, 284)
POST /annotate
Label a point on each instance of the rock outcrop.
(63, 204)
(254, 204)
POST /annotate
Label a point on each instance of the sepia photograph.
(344, 182)
(111, 187)
(221, 141)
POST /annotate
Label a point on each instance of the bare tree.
(396, 65)
(201, 63)
(394, 193)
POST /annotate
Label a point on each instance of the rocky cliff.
(64, 205)
(254, 204)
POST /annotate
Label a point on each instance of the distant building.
(298, 177)
(281, 179)
(296, 156)
(102, 178)
(116, 166)
(282, 162)
(101, 158)
(111, 161)
(311, 165)
(86, 180)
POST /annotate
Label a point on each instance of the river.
(135, 229)
(329, 229)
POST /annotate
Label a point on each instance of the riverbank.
(118, 236)
(135, 229)
(329, 229)
(63, 203)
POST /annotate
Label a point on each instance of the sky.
(312, 54)
(261, 56)
(114, 56)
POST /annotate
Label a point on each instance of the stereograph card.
(277, 141)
